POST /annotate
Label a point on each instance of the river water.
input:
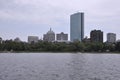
(59, 66)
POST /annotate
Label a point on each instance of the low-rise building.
(33, 39)
(17, 39)
(62, 37)
(0, 40)
(86, 40)
(111, 37)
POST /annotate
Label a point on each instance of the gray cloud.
(99, 14)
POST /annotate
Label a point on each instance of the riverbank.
(59, 52)
(11, 46)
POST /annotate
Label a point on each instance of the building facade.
(62, 37)
(17, 39)
(0, 40)
(49, 36)
(111, 37)
(33, 39)
(77, 26)
(96, 36)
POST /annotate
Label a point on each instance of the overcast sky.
(21, 18)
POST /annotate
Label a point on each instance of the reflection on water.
(59, 66)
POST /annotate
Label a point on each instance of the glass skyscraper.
(77, 26)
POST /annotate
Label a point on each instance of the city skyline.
(22, 18)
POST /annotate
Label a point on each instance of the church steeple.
(50, 29)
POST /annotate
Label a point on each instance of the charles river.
(59, 66)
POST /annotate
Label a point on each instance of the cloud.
(31, 11)
(56, 13)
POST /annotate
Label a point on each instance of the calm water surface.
(56, 66)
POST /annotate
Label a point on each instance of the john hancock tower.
(77, 26)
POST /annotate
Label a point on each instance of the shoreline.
(58, 52)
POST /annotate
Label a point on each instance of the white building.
(49, 36)
(111, 37)
(33, 39)
(77, 26)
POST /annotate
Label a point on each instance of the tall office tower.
(96, 36)
(111, 37)
(77, 27)
(32, 39)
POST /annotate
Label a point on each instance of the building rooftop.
(50, 31)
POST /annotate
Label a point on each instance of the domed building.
(49, 36)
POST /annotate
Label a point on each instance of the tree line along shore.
(43, 46)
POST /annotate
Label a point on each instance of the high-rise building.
(33, 39)
(77, 26)
(49, 36)
(111, 37)
(62, 37)
(96, 36)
